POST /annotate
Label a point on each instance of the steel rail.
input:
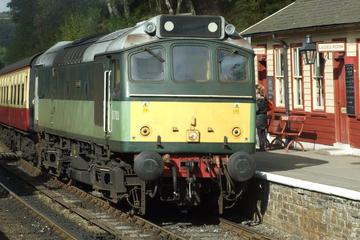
(137, 219)
(100, 222)
(61, 231)
(242, 231)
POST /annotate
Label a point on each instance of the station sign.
(331, 47)
(259, 50)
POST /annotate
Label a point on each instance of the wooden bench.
(276, 129)
(289, 128)
(293, 130)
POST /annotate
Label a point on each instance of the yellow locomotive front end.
(221, 123)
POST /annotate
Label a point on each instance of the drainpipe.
(285, 47)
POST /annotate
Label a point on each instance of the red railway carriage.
(15, 95)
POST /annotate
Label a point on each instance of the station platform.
(318, 171)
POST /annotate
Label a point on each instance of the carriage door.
(102, 104)
(107, 98)
(341, 120)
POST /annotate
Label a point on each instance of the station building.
(326, 92)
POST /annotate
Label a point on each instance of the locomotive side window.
(234, 67)
(116, 80)
(191, 63)
(148, 65)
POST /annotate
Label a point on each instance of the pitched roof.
(308, 13)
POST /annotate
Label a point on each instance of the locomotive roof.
(85, 50)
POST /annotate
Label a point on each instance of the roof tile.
(308, 13)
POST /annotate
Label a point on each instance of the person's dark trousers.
(262, 138)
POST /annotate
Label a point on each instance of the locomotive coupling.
(148, 166)
(241, 166)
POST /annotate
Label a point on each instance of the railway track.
(94, 210)
(242, 231)
(19, 202)
(213, 228)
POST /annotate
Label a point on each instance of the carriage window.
(148, 65)
(12, 96)
(234, 67)
(191, 63)
(22, 97)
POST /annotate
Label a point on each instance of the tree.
(41, 23)
(112, 9)
(79, 25)
(2, 55)
(189, 6)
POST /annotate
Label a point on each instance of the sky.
(3, 4)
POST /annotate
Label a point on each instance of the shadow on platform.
(279, 161)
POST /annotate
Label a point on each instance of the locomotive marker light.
(150, 28)
(241, 166)
(230, 29)
(236, 132)
(308, 50)
(145, 131)
(148, 166)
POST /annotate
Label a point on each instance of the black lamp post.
(308, 50)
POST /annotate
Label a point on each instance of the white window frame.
(279, 76)
(318, 86)
(297, 72)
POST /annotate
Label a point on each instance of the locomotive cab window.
(148, 65)
(233, 67)
(191, 63)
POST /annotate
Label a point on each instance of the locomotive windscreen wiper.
(229, 53)
(158, 57)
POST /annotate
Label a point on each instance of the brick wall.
(306, 214)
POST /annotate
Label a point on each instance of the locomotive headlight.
(169, 26)
(236, 132)
(212, 27)
(193, 136)
(230, 29)
(145, 131)
(150, 28)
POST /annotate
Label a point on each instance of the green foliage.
(42, 23)
(79, 25)
(117, 23)
(2, 55)
(6, 31)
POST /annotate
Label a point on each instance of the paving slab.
(313, 166)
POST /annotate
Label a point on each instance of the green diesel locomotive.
(164, 109)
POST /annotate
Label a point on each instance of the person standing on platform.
(261, 116)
